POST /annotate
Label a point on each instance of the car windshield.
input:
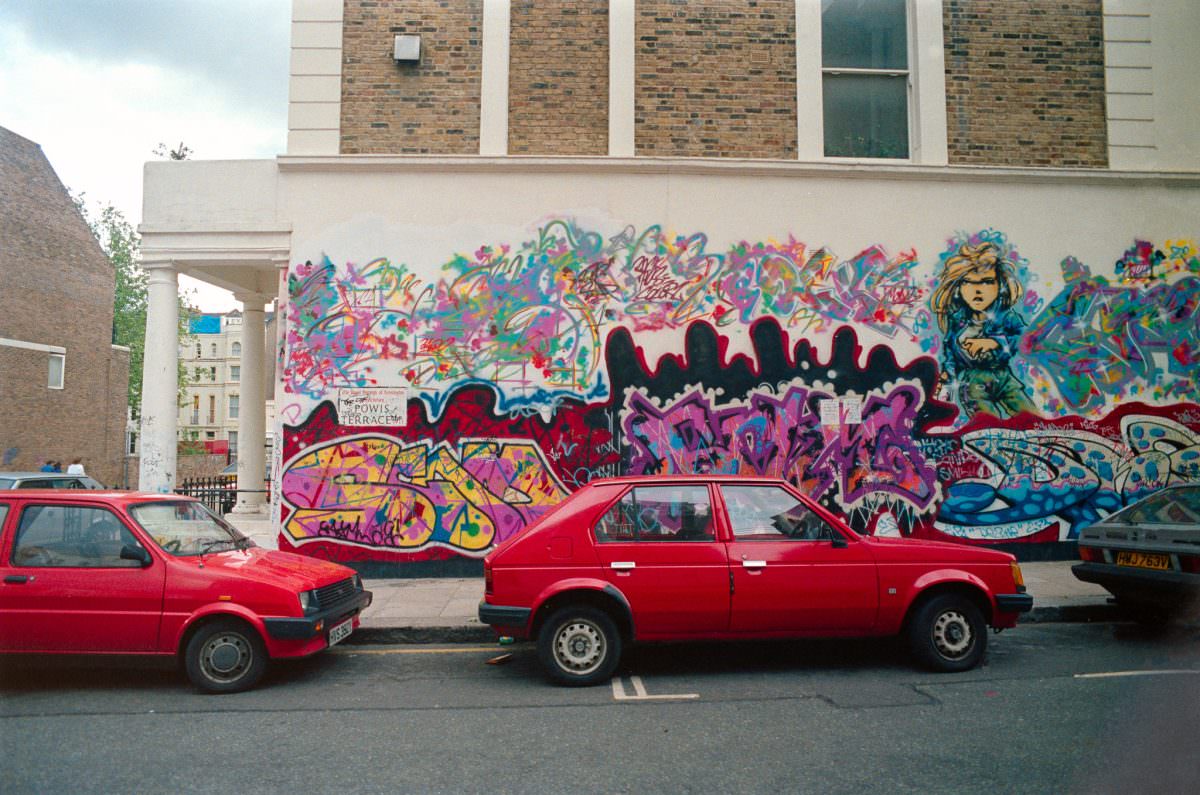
(6, 483)
(187, 528)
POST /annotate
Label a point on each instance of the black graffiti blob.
(702, 364)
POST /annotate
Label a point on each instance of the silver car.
(46, 480)
(1148, 554)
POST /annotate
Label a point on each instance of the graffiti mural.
(378, 491)
(948, 402)
(1006, 484)
(1099, 342)
(975, 304)
(530, 322)
(780, 434)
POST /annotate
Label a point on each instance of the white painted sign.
(373, 406)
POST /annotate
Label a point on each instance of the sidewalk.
(444, 610)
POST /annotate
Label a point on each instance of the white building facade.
(464, 339)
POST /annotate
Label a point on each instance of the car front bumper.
(1014, 602)
(1139, 583)
(317, 623)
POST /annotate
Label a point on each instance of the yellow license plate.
(1143, 560)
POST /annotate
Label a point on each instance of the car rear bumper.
(311, 625)
(1131, 581)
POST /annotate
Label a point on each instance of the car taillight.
(1091, 554)
(1190, 563)
(487, 576)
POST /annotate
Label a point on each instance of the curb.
(467, 633)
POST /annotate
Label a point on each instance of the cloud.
(240, 45)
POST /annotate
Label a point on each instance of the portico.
(245, 259)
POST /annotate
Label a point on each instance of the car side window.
(36, 484)
(71, 536)
(659, 513)
(769, 513)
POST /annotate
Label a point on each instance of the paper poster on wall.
(276, 479)
(373, 406)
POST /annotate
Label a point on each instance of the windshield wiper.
(216, 542)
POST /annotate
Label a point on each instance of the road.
(1056, 708)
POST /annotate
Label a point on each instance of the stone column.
(252, 417)
(160, 380)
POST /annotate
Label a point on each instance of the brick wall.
(57, 289)
(716, 79)
(558, 77)
(1025, 82)
(429, 108)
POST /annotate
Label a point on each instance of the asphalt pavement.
(443, 610)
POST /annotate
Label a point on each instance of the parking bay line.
(1115, 674)
(640, 694)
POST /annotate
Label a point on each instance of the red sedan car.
(686, 558)
(94, 572)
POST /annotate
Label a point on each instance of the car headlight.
(308, 600)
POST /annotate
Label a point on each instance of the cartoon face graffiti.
(973, 303)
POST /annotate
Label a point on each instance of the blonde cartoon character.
(974, 306)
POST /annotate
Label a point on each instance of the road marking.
(1113, 674)
(639, 690)
(458, 650)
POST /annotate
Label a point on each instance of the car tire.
(579, 645)
(947, 633)
(225, 656)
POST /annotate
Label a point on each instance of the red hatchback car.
(93, 572)
(687, 558)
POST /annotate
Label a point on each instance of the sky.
(101, 83)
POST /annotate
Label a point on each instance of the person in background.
(48, 466)
(76, 467)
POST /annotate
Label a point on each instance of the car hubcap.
(226, 657)
(952, 634)
(579, 647)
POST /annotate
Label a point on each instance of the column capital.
(251, 301)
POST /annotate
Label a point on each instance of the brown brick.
(1025, 83)
(716, 79)
(558, 77)
(427, 108)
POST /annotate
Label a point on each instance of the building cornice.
(473, 164)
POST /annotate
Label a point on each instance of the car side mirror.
(839, 541)
(134, 552)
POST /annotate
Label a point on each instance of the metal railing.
(218, 492)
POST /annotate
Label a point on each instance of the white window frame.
(62, 371)
(234, 408)
(926, 87)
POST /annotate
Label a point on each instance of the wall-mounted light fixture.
(407, 49)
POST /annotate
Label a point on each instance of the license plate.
(341, 632)
(1144, 560)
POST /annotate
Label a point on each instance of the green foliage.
(121, 243)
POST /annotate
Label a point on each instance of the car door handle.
(16, 579)
(624, 565)
(754, 564)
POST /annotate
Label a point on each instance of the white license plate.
(341, 632)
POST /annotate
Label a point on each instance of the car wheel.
(225, 656)
(579, 646)
(947, 633)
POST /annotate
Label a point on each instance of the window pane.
(864, 34)
(768, 513)
(866, 116)
(659, 513)
(71, 536)
(56, 371)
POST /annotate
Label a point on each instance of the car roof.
(652, 479)
(103, 495)
(38, 475)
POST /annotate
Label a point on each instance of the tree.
(121, 243)
(181, 152)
